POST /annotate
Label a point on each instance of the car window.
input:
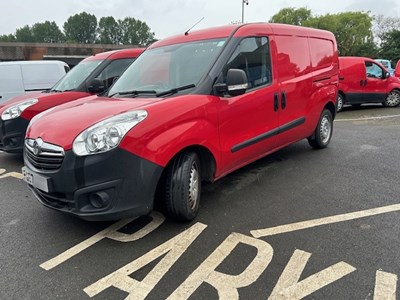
(114, 70)
(253, 57)
(74, 78)
(373, 70)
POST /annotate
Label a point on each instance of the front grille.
(44, 156)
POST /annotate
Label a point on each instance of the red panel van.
(363, 80)
(191, 108)
(91, 76)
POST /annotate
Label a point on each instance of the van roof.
(117, 54)
(243, 30)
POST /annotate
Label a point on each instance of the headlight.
(106, 134)
(16, 110)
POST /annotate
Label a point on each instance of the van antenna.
(187, 31)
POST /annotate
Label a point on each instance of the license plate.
(38, 181)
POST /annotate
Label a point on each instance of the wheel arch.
(207, 160)
(332, 108)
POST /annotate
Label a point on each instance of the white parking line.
(367, 118)
(324, 221)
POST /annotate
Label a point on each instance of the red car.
(93, 75)
(191, 108)
(363, 80)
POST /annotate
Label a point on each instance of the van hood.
(61, 125)
(21, 98)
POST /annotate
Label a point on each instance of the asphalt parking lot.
(298, 224)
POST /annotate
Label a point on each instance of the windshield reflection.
(168, 69)
(74, 78)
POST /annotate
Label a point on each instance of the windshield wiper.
(175, 90)
(133, 93)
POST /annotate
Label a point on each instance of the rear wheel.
(340, 103)
(393, 99)
(183, 187)
(323, 132)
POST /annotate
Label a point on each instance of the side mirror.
(96, 86)
(236, 83)
(386, 75)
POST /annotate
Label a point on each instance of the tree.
(47, 32)
(135, 32)
(353, 31)
(383, 25)
(109, 31)
(81, 28)
(390, 47)
(292, 16)
(7, 38)
(24, 34)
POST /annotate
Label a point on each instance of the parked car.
(94, 74)
(387, 64)
(191, 108)
(363, 80)
(21, 77)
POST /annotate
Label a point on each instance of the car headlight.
(106, 134)
(16, 110)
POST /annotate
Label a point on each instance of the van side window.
(114, 70)
(373, 70)
(252, 56)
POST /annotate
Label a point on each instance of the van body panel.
(289, 77)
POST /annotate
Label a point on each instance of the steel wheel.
(323, 132)
(340, 103)
(183, 187)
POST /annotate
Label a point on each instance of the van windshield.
(78, 74)
(166, 70)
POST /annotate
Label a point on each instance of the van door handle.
(362, 82)
(283, 104)
(276, 102)
(341, 78)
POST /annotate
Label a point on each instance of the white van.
(20, 77)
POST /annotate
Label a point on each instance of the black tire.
(183, 187)
(339, 103)
(392, 99)
(323, 132)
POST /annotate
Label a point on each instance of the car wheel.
(323, 132)
(393, 99)
(183, 187)
(340, 103)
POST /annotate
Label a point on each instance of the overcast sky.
(170, 17)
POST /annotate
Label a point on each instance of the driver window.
(114, 70)
(252, 56)
(373, 70)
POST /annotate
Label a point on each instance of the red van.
(363, 80)
(93, 75)
(191, 108)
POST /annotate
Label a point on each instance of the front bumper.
(12, 133)
(106, 186)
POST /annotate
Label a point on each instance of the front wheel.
(393, 99)
(323, 132)
(183, 187)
